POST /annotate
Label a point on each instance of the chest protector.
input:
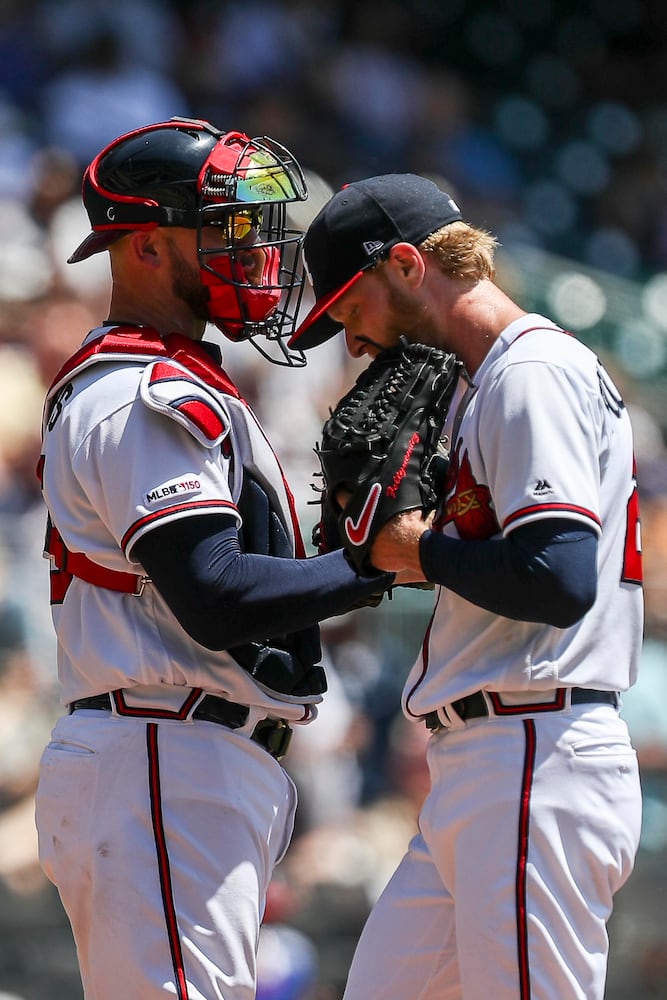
(269, 528)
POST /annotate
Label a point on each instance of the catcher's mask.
(188, 173)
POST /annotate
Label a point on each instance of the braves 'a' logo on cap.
(357, 531)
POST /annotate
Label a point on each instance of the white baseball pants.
(530, 827)
(161, 839)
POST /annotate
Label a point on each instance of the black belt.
(475, 706)
(273, 735)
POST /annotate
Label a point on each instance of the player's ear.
(408, 263)
(143, 248)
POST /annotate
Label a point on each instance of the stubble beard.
(186, 283)
(406, 321)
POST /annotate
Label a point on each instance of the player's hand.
(396, 547)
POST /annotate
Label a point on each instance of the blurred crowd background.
(548, 122)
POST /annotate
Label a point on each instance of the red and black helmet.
(188, 173)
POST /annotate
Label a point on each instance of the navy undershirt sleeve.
(545, 571)
(224, 597)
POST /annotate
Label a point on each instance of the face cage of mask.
(287, 282)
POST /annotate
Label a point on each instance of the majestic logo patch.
(357, 531)
(187, 486)
(542, 488)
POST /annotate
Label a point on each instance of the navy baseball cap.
(355, 229)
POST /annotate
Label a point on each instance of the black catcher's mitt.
(382, 445)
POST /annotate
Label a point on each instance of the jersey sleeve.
(539, 435)
(141, 468)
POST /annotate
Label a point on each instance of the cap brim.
(317, 327)
(95, 243)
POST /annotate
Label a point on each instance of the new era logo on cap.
(372, 246)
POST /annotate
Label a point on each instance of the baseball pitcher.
(533, 818)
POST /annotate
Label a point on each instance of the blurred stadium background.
(548, 122)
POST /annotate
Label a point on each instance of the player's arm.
(545, 571)
(224, 597)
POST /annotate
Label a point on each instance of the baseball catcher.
(187, 618)
(381, 451)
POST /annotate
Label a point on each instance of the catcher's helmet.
(188, 173)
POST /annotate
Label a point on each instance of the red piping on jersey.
(167, 511)
(163, 862)
(522, 860)
(552, 508)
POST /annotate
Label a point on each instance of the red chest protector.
(135, 343)
(131, 344)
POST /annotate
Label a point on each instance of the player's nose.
(354, 346)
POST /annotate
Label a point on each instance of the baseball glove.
(382, 445)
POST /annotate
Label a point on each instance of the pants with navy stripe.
(530, 827)
(162, 839)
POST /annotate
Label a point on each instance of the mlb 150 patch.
(187, 486)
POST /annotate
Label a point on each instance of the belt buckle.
(439, 719)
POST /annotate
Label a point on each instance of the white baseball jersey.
(543, 434)
(116, 400)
